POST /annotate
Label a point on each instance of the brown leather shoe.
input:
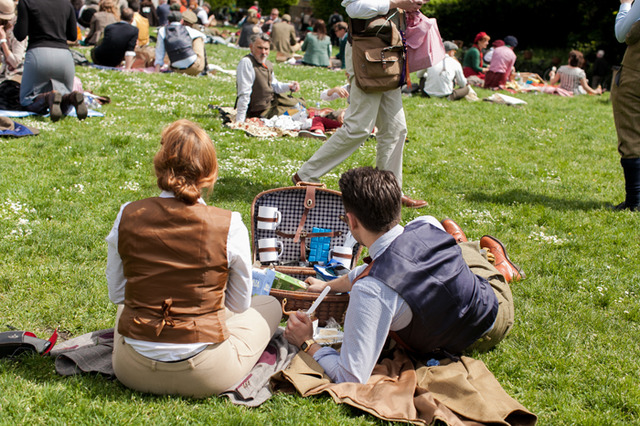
(413, 204)
(53, 100)
(508, 269)
(454, 230)
(77, 100)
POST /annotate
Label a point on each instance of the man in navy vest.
(182, 44)
(427, 287)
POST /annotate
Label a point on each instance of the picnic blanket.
(147, 70)
(12, 113)
(91, 353)
(88, 353)
(456, 393)
(10, 128)
(254, 389)
(282, 125)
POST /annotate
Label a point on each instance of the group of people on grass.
(426, 286)
(186, 323)
(492, 67)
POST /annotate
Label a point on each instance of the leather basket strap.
(309, 203)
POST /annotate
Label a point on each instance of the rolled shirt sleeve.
(365, 9)
(627, 16)
(245, 75)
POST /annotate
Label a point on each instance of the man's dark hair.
(126, 14)
(373, 196)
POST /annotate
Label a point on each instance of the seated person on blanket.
(118, 43)
(256, 84)
(319, 124)
(180, 272)
(427, 287)
(502, 65)
(333, 120)
(183, 44)
(439, 80)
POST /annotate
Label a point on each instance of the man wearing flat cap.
(502, 64)
(440, 79)
(184, 45)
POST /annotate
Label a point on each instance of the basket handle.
(315, 184)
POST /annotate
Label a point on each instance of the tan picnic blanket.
(457, 393)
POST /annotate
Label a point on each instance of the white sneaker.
(315, 134)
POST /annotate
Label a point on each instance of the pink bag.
(423, 42)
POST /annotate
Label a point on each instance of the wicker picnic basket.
(303, 207)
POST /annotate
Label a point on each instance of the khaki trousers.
(213, 370)
(366, 110)
(625, 98)
(198, 66)
(479, 265)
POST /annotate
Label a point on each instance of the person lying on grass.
(435, 293)
(180, 273)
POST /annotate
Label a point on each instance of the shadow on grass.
(233, 188)
(526, 197)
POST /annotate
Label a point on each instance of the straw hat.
(7, 9)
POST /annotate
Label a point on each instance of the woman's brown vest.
(174, 258)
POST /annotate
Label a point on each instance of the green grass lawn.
(538, 177)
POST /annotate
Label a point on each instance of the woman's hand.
(626, 1)
(3, 33)
(299, 328)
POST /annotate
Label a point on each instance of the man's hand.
(407, 5)
(299, 328)
(626, 1)
(315, 285)
(294, 86)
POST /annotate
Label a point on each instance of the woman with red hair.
(180, 272)
(472, 63)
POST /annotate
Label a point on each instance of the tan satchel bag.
(378, 56)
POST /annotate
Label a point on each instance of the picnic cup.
(268, 218)
(342, 254)
(269, 249)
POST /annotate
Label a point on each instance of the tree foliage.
(536, 23)
(322, 9)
